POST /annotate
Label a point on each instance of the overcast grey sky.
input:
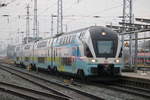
(81, 13)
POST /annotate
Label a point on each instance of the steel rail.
(128, 85)
(32, 79)
(133, 81)
(28, 93)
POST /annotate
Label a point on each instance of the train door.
(74, 59)
(52, 56)
(33, 53)
(65, 62)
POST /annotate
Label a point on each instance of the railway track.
(137, 82)
(122, 85)
(47, 84)
(32, 79)
(128, 85)
(135, 85)
(29, 93)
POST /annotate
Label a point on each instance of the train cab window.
(88, 52)
(120, 54)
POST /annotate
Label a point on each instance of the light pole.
(52, 23)
(22, 33)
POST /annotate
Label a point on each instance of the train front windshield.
(105, 42)
(105, 47)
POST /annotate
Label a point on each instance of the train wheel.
(22, 65)
(49, 68)
(55, 71)
(81, 75)
(34, 67)
(15, 63)
(29, 67)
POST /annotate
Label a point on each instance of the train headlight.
(117, 60)
(103, 33)
(93, 60)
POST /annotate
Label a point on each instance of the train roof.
(91, 28)
(83, 29)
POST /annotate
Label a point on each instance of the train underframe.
(105, 70)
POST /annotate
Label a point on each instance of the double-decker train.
(92, 51)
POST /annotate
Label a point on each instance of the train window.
(88, 52)
(67, 60)
(50, 42)
(42, 44)
(17, 58)
(54, 41)
(73, 38)
(61, 40)
(27, 47)
(56, 52)
(69, 40)
(26, 58)
(81, 35)
(120, 54)
(41, 59)
(58, 40)
(64, 40)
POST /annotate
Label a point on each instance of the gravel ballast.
(6, 96)
(12, 79)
